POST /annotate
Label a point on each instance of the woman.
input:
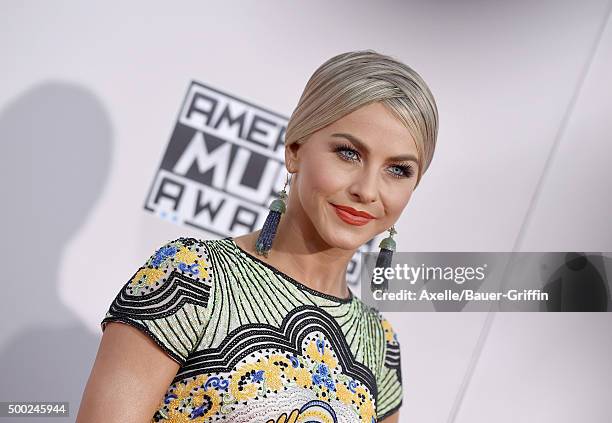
(234, 330)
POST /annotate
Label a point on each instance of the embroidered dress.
(255, 345)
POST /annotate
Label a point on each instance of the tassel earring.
(385, 256)
(268, 232)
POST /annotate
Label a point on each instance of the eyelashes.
(406, 170)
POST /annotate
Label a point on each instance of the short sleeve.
(167, 298)
(389, 379)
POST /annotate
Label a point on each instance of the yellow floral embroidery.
(244, 389)
(326, 357)
(147, 276)
(188, 257)
(283, 418)
(188, 401)
(201, 397)
(273, 369)
(367, 412)
(388, 330)
(190, 396)
(315, 415)
(182, 390)
(366, 408)
(176, 417)
(311, 411)
(344, 394)
(301, 375)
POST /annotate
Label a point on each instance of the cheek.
(321, 178)
(395, 203)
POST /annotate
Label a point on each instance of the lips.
(352, 216)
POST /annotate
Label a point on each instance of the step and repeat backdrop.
(125, 127)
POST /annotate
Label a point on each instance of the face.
(364, 162)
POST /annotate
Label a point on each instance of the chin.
(346, 240)
(341, 235)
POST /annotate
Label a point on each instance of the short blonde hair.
(351, 80)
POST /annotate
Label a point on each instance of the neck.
(299, 252)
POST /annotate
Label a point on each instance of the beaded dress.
(254, 344)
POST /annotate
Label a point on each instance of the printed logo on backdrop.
(223, 166)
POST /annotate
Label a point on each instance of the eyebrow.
(360, 144)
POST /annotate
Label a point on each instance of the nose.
(364, 188)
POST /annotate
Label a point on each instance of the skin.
(313, 245)
(131, 373)
(128, 380)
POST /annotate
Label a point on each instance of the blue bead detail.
(257, 376)
(163, 253)
(384, 258)
(294, 361)
(268, 232)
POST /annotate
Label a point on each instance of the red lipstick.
(352, 216)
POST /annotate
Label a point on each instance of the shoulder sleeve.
(389, 379)
(167, 298)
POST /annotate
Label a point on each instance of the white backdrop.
(88, 98)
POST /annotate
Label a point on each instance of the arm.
(128, 380)
(390, 395)
(151, 327)
(393, 418)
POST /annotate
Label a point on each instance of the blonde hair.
(351, 80)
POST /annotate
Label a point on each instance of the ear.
(291, 157)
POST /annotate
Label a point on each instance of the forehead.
(377, 127)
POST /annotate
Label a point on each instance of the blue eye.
(406, 171)
(348, 153)
(342, 151)
(401, 171)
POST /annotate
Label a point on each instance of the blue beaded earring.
(385, 256)
(268, 232)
